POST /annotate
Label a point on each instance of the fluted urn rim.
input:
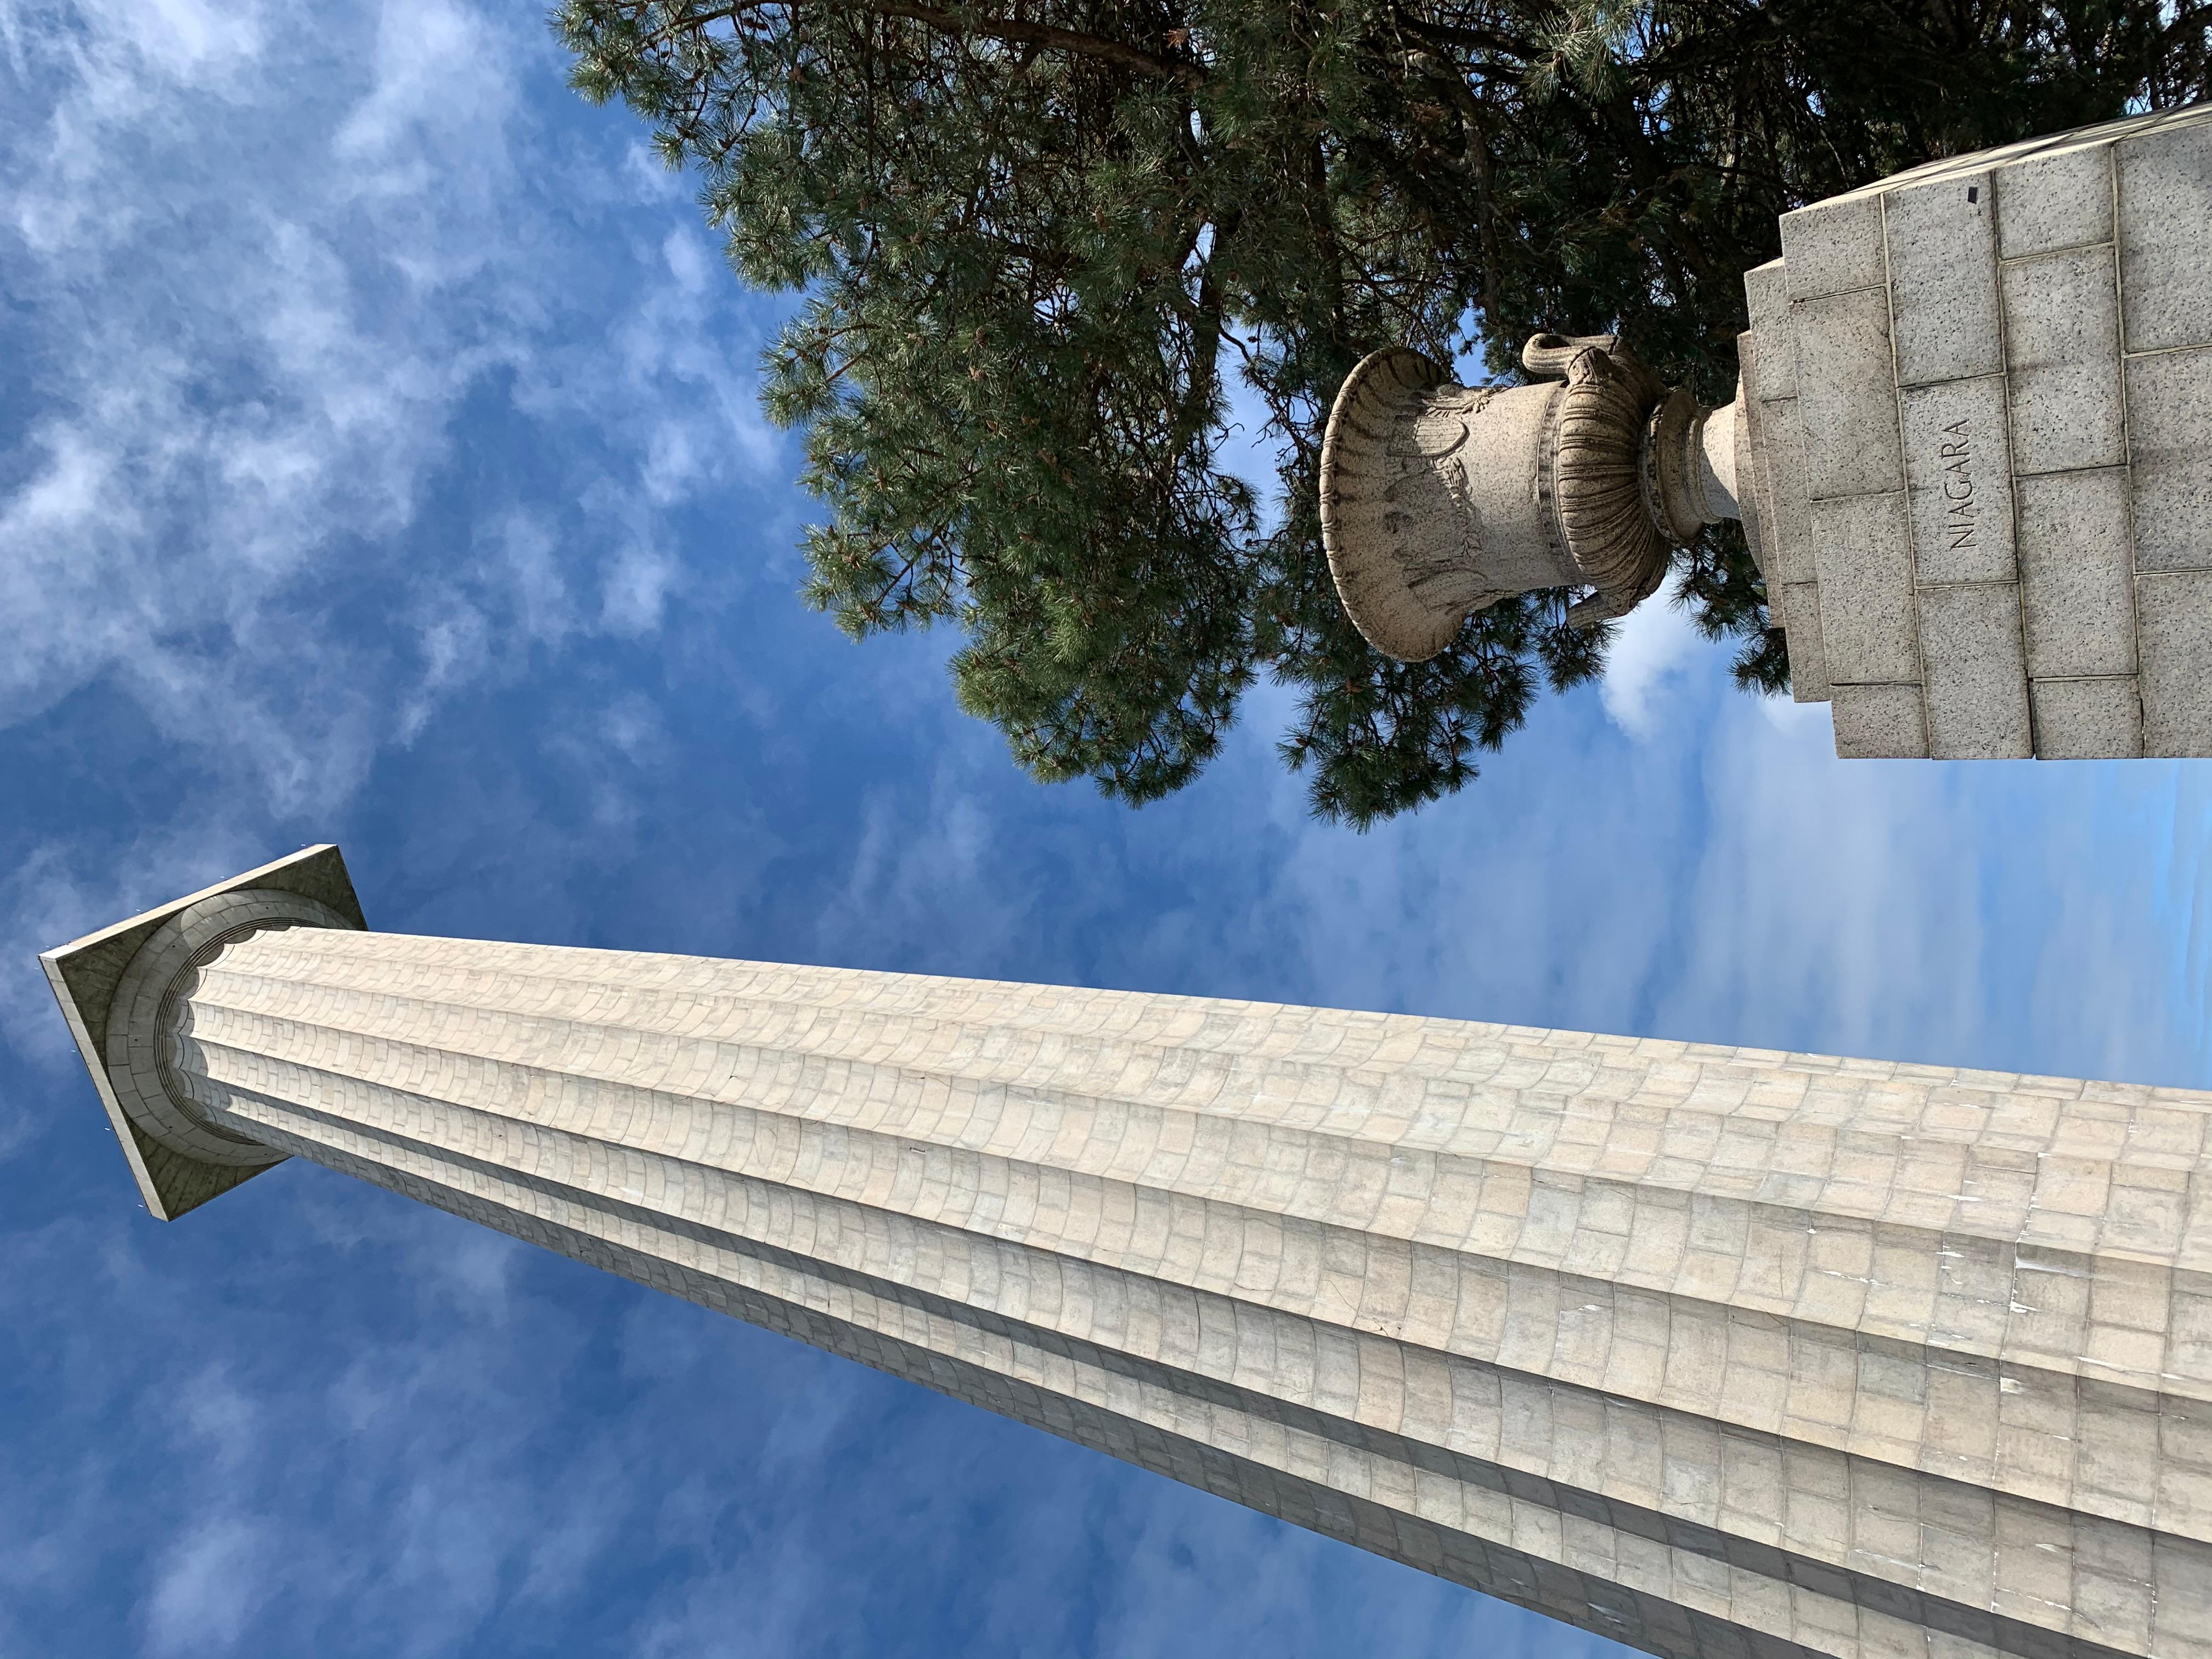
(1373, 590)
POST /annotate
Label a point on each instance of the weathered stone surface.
(2164, 204)
(1808, 653)
(1846, 395)
(1766, 293)
(1713, 1351)
(2087, 720)
(2077, 569)
(2058, 200)
(1880, 722)
(1439, 500)
(1977, 685)
(1833, 246)
(2173, 632)
(1754, 484)
(1866, 617)
(1776, 470)
(1941, 242)
(2170, 432)
(2063, 354)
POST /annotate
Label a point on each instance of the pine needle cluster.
(1063, 262)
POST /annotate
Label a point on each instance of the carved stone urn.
(1970, 448)
(1438, 499)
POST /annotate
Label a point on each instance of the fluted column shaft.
(1693, 1346)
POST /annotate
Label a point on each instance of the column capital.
(115, 987)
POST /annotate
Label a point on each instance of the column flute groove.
(959, 1136)
(665, 1268)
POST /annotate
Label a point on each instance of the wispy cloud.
(269, 257)
(1654, 649)
(210, 1585)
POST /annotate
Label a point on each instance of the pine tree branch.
(1016, 32)
(1439, 33)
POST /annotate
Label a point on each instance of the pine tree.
(1042, 243)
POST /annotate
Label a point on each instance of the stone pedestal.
(1980, 409)
(1714, 1351)
(1972, 451)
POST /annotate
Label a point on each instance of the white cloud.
(686, 253)
(1654, 648)
(209, 1587)
(431, 78)
(270, 257)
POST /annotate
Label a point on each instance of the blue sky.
(378, 462)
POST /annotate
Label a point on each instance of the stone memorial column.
(1713, 1351)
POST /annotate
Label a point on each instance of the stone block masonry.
(1979, 412)
(1713, 1351)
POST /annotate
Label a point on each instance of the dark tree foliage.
(1059, 257)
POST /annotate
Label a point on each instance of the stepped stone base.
(1980, 401)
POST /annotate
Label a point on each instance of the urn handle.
(1548, 356)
